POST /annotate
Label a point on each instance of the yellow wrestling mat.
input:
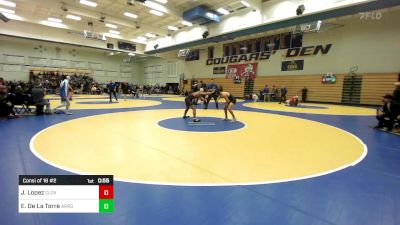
(314, 108)
(159, 96)
(104, 103)
(79, 96)
(182, 99)
(134, 148)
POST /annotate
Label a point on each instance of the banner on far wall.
(246, 71)
(292, 65)
(237, 80)
(219, 70)
(329, 79)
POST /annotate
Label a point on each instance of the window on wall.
(226, 50)
(257, 46)
(264, 44)
(285, 40)
(234, 49)
(276, 40)
(297, 41)
(267, 43)
(211, 52)
(250, 46)
(193, 55)
(242, 48)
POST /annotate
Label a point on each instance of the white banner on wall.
(100, 73)
(15, 59)
(126, 69)
(126, 74)
(12, 68)
(59, 62)
(171, 70)
(79, 64)
(38, 61)
(112, 74)
(96, 66)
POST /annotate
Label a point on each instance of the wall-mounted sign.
(237, 80)
(292, 65)
(219, 70)
(259, 56)
(240, 58)
(307, 51)
(243, 71)
(329, 79)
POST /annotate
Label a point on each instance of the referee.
(212, 86)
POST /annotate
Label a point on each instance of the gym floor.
(313, 164)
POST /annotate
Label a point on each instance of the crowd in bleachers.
(80, 82)
(18, 97)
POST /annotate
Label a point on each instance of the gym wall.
(371, 45)
(18, 56)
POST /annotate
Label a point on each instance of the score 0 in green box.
(106, 205)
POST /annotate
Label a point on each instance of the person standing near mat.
(66, 96)
(230, 103)
(112, 90)
(212, 86)
(396, 92)
(283, 94)
(189, 103)
(304, 94)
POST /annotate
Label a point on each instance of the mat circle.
(308, 107)
(102, 102)
(131, 146)
(207, 124)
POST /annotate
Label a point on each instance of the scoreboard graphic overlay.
(66, 194)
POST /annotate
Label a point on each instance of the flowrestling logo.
(374, 15)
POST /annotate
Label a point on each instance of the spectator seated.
(23, 101)
(6, 106)
(388, 114)
(38, 94)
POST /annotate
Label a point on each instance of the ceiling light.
(211, 15)
(111, 35)
(131, 15)
(155, 12)
(54, 20)
(140, 38)
(53, 24)
(9, 11)
(223, 11)
(7, 3)
(155, 6)
(111, 26)
(88, 3)
(13, 16)
(72, 17)
(114, 32)
(245, 3)
(150, 35)
(186, 23)
(162, 1)
(172, 28)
